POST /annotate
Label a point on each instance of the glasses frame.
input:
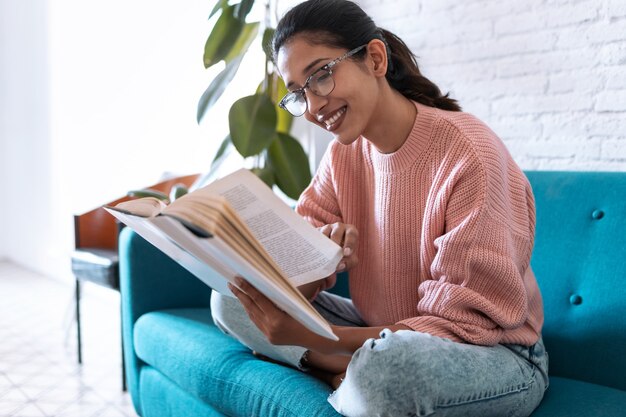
(328, 68)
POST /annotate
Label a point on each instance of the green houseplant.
(258, 129)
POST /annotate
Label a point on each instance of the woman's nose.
(315, 103)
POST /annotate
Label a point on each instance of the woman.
(437, 225)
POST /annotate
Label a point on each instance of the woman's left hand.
(279, 327)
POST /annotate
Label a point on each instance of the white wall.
(97, 98)
(25, 168)
(549, 76)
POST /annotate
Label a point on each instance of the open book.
(237, 226)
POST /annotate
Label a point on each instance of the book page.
(144, 207)
(286, 298)
(300, 250)
(210, 275)
(214, 218)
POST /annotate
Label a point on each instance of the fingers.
(334, 232)
(350, 241)
(337, 233)
(347, 236)
(246, 301)
(251, 298)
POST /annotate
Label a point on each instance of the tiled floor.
(39, 374)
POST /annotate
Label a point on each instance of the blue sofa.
(181, 365)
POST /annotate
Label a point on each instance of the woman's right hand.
(346, 236)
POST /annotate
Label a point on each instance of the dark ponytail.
(343, 24)
(404, 75)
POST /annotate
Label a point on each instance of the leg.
(414, 374)
(338, 310)
(231, 318)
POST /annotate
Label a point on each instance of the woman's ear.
(377, 57)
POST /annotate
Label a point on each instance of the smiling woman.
(437, 224)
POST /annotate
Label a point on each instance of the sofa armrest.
(149, 281)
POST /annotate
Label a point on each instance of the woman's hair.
(343, 24)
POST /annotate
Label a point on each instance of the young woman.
(437, 225)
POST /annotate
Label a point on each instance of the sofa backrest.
(579, 260)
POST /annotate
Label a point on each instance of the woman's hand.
(281, 329)
(278, 327)
(346, 236)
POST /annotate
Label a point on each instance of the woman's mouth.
(335, 119)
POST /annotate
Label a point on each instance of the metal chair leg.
(78, 335)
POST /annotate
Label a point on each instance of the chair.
(95, 256)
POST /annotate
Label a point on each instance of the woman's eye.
(323, 76)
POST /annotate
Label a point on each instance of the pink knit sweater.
(446, 227)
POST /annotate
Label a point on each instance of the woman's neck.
(392, 122)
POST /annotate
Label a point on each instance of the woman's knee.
(395, 353)
(228, 313)
(388, 376)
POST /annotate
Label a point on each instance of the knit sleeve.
(318, 203)
(476, 291)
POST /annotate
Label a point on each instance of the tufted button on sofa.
(181, 365)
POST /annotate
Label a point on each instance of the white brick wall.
(549, 76)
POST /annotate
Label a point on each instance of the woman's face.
(348, 110)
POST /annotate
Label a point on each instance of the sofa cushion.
(222, 372)
(571, 398)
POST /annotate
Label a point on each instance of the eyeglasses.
(320, 83)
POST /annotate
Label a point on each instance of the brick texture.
(549, 76)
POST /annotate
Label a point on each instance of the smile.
(334, 118)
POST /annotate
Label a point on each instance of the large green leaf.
(246, 37)
(217, 87)
(252, 122)
(276, 90)
(243, 8)
(285, 119)
(290, 164)
(222, 38)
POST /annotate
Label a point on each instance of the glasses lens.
(322, 83)
(294, 103)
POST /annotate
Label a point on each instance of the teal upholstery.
(580, 262)
(150, 281)
(181, 365)
(571, 398)
(229, 376)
